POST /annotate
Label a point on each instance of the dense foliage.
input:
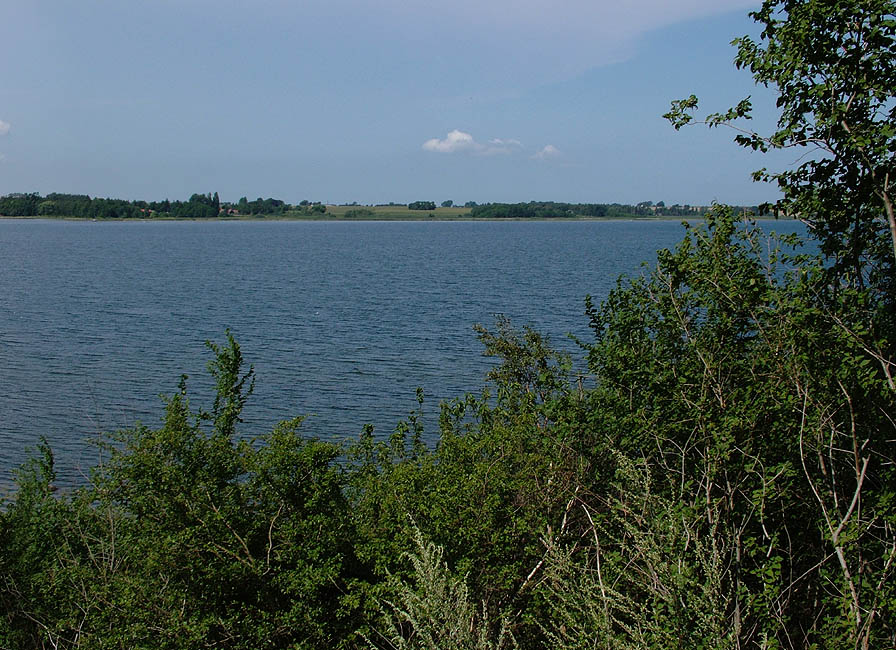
(834, 67)
(723, 476)
(422, 205)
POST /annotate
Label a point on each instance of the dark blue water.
(342, 321)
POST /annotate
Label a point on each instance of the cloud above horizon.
(497, 145)
(548, 151)
(453, 142)
(458, 141)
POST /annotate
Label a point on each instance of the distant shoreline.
(209, 206)
(384, 218)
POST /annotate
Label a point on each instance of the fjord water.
(341, 320)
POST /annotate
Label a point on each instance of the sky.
(376, 101)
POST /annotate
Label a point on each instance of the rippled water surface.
(342, 321)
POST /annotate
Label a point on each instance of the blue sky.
(394, 100)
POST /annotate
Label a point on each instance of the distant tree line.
(554, 210)
(74, 205)
(208, 206)
(199, 206)
(537, 210)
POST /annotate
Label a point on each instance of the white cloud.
(547, 151)
(459, 141)
(4, 127)
(497, 145)
(453, 142)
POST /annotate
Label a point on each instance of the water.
(342, 321)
